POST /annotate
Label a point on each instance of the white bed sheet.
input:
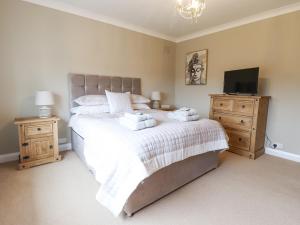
(122, 158)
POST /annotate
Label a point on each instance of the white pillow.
(118, 102)
(90, 110)
(139, 99)
(140, 106)
(91, 100)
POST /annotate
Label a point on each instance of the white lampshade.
(155, 96)
(44, 98)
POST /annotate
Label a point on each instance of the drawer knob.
(242, 121)
(51, 146)
(26, 157)
(240, 139)
(39, 129)
(25, 144)
(221, 104)
(243, 106)
(220, 117)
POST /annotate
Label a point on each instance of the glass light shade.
(155, 96)
(43, 98)
(191, 9)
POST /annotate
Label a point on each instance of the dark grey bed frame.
(163, 181)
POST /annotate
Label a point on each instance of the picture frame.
(196, 67)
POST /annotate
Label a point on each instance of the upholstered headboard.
(81, 84)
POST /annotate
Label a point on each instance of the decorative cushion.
(118, 102)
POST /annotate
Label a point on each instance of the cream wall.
(40, 46)
(274, 46)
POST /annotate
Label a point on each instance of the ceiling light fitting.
(191, 9)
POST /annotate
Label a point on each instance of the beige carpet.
(241, 192)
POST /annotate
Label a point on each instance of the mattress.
(122, 158)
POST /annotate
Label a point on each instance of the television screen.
(243, 81)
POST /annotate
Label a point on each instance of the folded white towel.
(185, 108)
(183, 118)
(130, 124)
(185, 111)
(150, 123)
(138, 117)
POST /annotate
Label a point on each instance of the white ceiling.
(159, 17)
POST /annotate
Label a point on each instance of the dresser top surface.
(239, 96)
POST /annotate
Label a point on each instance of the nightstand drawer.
(239, 139)
(38, 129)
(237, 122)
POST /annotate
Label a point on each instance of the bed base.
(163, 181)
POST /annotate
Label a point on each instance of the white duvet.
(122, 158)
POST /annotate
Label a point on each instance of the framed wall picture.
(196, 68)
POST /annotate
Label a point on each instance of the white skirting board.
(282, 154)
(9, 157)
(15, 156)
(65, 147)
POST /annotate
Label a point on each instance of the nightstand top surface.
(34, 119)
(170, 109)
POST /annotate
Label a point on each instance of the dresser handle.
(25, 144)
(39, 129)
(26, 157)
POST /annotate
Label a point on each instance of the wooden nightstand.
(38, 141)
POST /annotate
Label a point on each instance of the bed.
(159, 182)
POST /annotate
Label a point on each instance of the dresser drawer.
(38, 129)
(221, 104)
(239, 139)
(231, 121)
(243, 107)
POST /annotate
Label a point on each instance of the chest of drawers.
(245, 119)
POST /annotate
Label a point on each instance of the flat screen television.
(243, 81)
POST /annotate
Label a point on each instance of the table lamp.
(156, 98)
(44, 99)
